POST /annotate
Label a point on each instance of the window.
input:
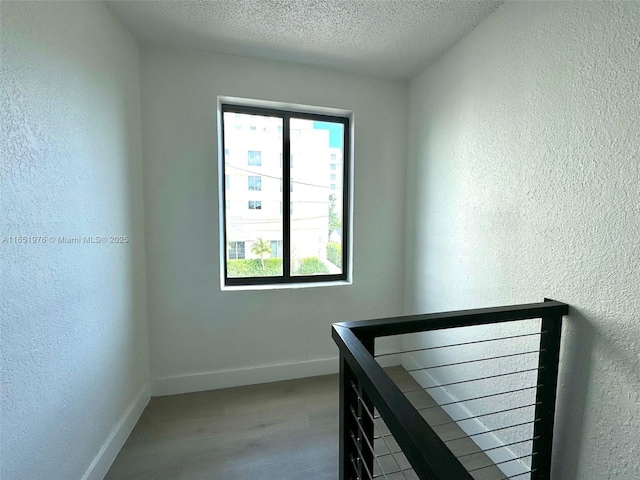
(276, 248)
(255, 183)
(255, 158)
(236, 250)
(227, 185)
(226, 155)
(310, 246)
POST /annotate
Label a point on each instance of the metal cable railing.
(474, 409)
(488, 456)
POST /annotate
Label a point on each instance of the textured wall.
(524, 182)
(202, 337)
(74, 351)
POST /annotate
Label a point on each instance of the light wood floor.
(277, 431)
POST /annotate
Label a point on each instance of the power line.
(258, 221)
(261, 174)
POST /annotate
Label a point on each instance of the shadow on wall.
(576, 376)
(576, 363)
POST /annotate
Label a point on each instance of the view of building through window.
(254, 174)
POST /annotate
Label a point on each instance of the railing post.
(367, 422)
(348, 398)
(546, 397)
(349, 425)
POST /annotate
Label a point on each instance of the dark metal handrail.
(428, 455)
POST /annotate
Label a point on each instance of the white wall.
(202, 337)
(74, 332)
(524, 183)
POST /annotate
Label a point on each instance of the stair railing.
(380, 425)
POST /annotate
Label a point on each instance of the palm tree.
(261, 247)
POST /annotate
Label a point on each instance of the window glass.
(255, 183)
(255, 158)
(252, 168)
(316, 217)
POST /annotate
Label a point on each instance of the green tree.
(334, 219)
(261, 247)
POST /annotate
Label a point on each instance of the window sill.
(284, 286)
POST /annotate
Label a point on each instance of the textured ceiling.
(380, 37)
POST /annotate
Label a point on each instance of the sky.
(335, 132)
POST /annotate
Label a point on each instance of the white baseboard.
(458, 410)
(198, 382)
(109, 450)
